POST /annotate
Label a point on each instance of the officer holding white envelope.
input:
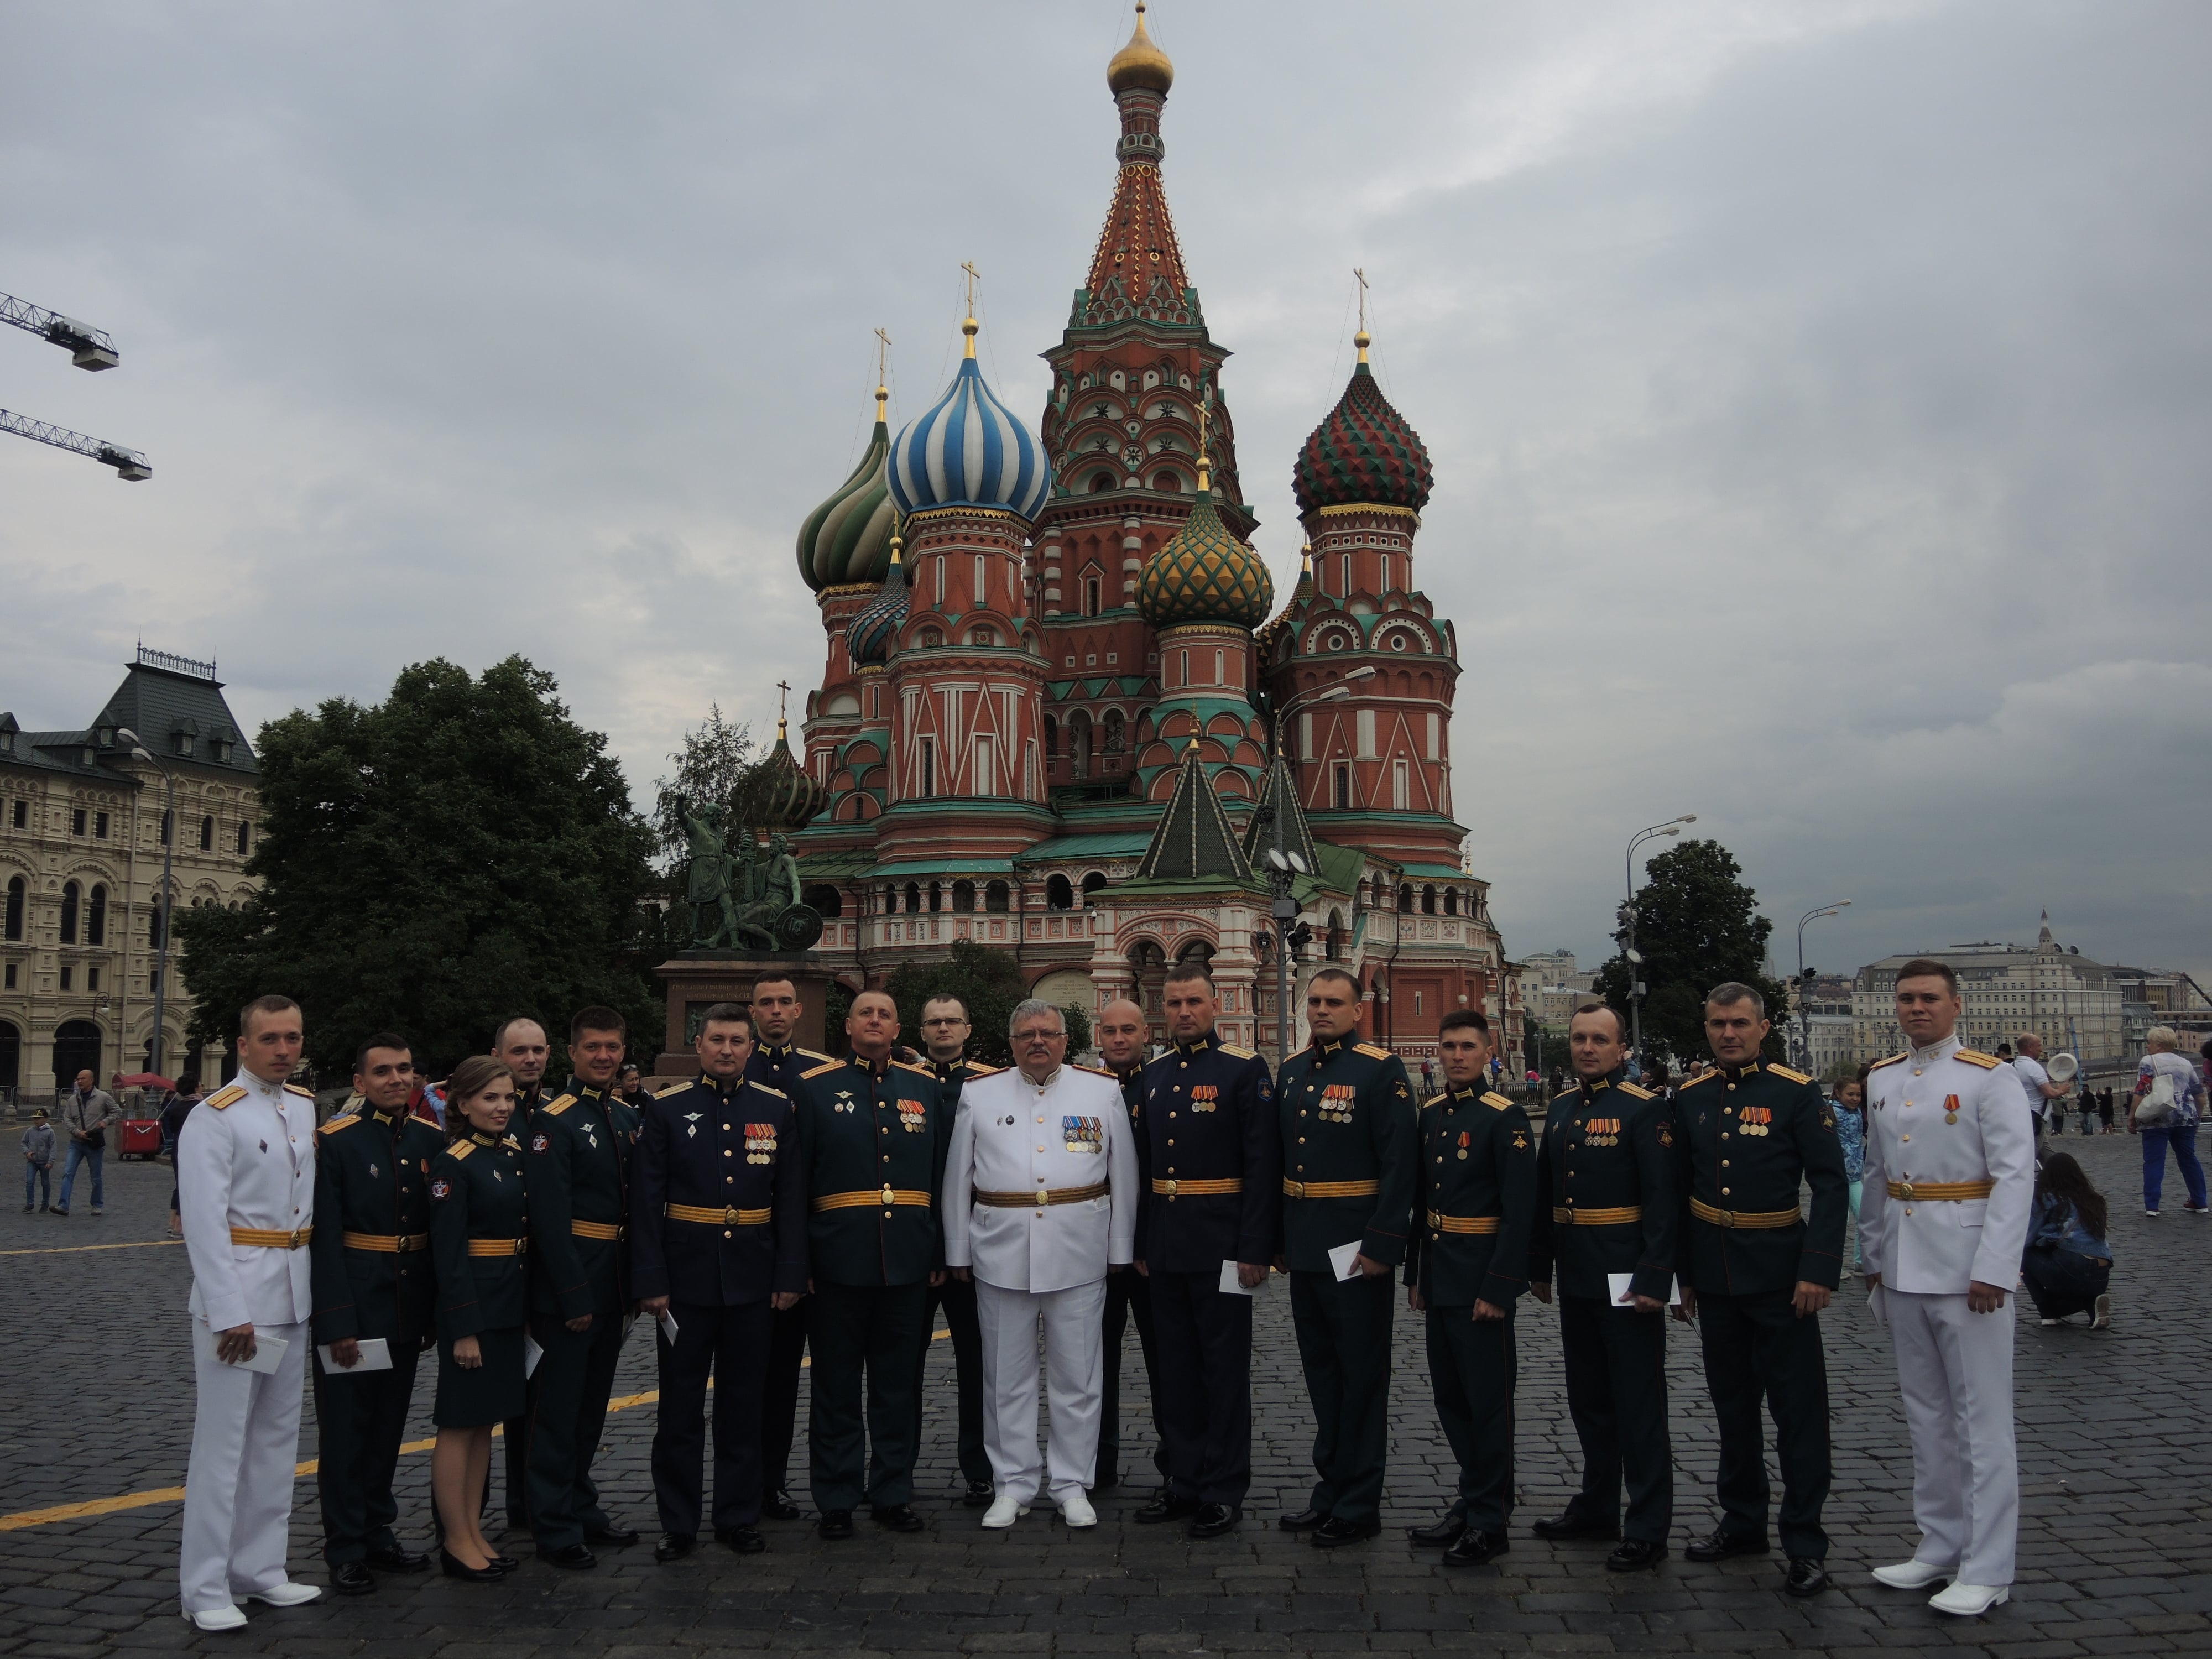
(1040, 1202)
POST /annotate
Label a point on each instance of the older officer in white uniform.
(1950, 1175)
(1040, 1202)
(245, 1184)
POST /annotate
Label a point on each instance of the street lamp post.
(1804, 1013)
(1636, 987)
(139, 751)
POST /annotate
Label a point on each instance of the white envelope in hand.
(1617, 1287)
(532, 1353)
(268, 1352)
(668, 1327)
(1229, 1285)
(375, 1356)
(1344, 1260)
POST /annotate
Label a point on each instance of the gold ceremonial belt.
(1705, 1212)
(1464, 1223)
(499, 1247)
(1932, 1190)
(885, 1198)
(388, 1244)
(1619, 1218)
(273, 1238)
(707, 1218)
(1194, 1188)
(1331, 1189)
(607, 1230)
(1041, 1197)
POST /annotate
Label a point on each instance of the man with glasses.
(1040, 1203)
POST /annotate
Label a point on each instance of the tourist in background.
(1850, 1132)
(39, 1167)
(2169, 1096)
(86, 1114)
(2088, 1110)
(2068, 1264)
(2105, 1109)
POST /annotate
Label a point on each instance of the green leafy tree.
(989, 983)
(462, 852)
(711, 768)
(1697, 926)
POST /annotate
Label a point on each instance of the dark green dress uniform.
(1128, 1296)
(873, 1139)
(480, 1242)
(957, 1297)
(372, 1277)
(577, 1170)
(517, 1430)
(1750, 1138)
(1473, 1210)
(780, 1065)
(1347, 1117)
(718, 1225)
(1209, 1152)
(1605, 1204)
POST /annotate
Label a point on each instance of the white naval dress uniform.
(1016, 1139)
(246, 1162)
(1946, 1117)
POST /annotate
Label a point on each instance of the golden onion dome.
(1140, 64)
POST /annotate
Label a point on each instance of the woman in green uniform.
(478, 1242)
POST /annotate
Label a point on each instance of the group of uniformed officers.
(785, 1201)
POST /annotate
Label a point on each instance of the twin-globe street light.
(139, 751)
(1804, 1012)
(1627, 934)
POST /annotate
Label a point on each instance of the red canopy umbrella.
(142, 1080)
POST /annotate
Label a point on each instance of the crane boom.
(130, 466)
(89, 347)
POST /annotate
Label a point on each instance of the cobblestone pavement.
(93, 1362)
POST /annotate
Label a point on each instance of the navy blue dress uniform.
(780, 1065)
(718, 1224)
(1475, 1206)
(1605, 1204)
(873, 1140)
(1752, 1137)
(517, 1430)
(480, 1241)
(957, 1297)
(1346, 1117)
(1210, 1161)
(577, 1170)
(1128, 1297)
(372, 1277)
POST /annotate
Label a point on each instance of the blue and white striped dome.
(969, 450)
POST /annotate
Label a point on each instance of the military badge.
(1520, 1141)
(1337, 1102)
(1206, 1097)
(372, 1172)
(1083, 1134)
(1756, 1120)
(538, 1143)
(760, 1143)
(1465, 1141)
(1950, 1108)
(914, 1117)
(1601, 1132)
(1666, 1133)
(440, 1188)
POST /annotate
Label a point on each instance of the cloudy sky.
(1819, 395)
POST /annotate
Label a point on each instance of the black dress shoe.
(1165, 1507)
(1807, 1577)
(399, 1558)
(1304, 1521)
(612, 1538)
(744, 1541)
(899, 1517)
(836, 1524)
(1575, 1524)
(351, 1578)
(575, 1556)
(1336, 1530)
(1440, 1534)
(505, 1564)
(1635, 1555)
(979, 1494)
(1212, 1520)
(779, 1507)
(1722, 1545)
(1476, 1546)
(1106, 1477)
(453, 1569)
(674, 1546)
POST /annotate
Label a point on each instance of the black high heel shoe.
(505, 1563)
(453, 1569)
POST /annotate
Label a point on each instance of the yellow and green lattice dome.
(1205, 574)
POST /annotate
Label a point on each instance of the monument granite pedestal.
(695, 980)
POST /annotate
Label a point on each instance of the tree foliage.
(989, 983)
(1697, 926)
(460, 854)
(712, 768)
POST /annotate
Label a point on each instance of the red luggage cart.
(141, 1138)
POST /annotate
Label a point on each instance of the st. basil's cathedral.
(1058, 692)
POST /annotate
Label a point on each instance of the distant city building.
(2073, 1003)
(2163, 996)
(1548, 967)
(83, 826)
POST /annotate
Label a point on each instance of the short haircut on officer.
(1619, 1020)
(1730, 993)
(1351, 981)
(930, 1002)
(1029, 1008)
(596, 1018)
(727, 1013)
(774, 979)
(1465, 1019)
(499, 1037)
(263, 1006)
(381, 1040)
(1929, 968)
(1188, 970)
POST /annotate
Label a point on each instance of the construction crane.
(89, 348)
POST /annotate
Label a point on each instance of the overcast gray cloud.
(1819, 396)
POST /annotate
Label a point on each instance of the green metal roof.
(906, 867)
(1105, 844)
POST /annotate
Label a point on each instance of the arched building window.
(998, 898)
(17, 894)
(207, 834)
(1059, 894)
(69, 914)
(964, 896)
(1093, 882)
(1428, 901)
(913, 898)
(936, 897)
(1451, 900)
(825, 899)
(1117, 732)
(95, 916)
(1405, 898)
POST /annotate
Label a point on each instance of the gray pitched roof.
(1280, 794)
(164, 707)
(1195, 839)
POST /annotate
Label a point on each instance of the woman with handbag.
(2067, 1265)
(2169, 1096)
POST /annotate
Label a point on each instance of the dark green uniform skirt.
(491, 1393)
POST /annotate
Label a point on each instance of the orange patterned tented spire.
(1137, 270)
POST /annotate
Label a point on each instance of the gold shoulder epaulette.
(555, 1108)
(813, 1054)
(831, 1067)
(509, 1140)
(344, 1121)
(1634, 1090)
(673, 1089)
(226, 1096)
(1707, 1077)
(294, 1089)
(918, 1071)
(1443, 1099)
(770, 1089)
(1892, 1061)
(1371, 1051)
(1098, 1070)
(1495, 1100)
(1976, 1057)
(977, 1068)
(1236, 1053)
(1786, 1071)
(462, 1148)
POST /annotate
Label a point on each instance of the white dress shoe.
(1913, 1574)
(286, 1595)
(1004, 1512)
(212, 1620)
(1969, 1600)
(1075, 1511)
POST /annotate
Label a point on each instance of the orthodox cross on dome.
(882, 362)
(1361, 338)
(1204, 447)
(782, 703)
(968, 327)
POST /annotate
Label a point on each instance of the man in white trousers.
(1040, 1203)
(1950, 1180)
(246, 1185)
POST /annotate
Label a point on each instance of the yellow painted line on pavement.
(159, 1495)
(74, 1250)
